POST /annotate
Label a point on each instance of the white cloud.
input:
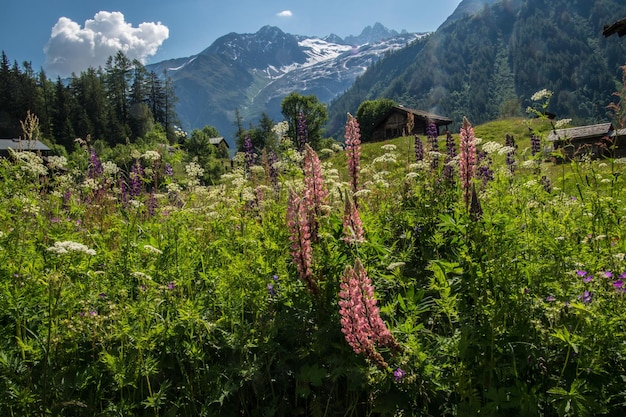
(74, 49)
(285, 13)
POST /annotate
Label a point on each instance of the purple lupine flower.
(432, 135)
(169, 171)
(248, 150)
(135, 186)
(484, 171)
(510, 156)
(398, 374)
(535, 144)
(152, 204)
(95, 166)
(419, 149)
(302, 133)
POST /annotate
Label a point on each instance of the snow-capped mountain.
(252, 73)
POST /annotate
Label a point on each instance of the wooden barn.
(598, 141)
(22, 145)
(394, 123)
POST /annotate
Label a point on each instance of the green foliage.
(369, 113)
(315, 116)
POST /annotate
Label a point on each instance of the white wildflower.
(68, 246)
(388, 147)
(152, 249)
(337, 147)
(57, 162)
(621, 161)
(541, 94)
(492, 147)
(361, 193)
(173, 188)
(386, 158)
(395, 265)
(194, 170)
(91, 184)
(506, 150)
(559, 124)
(110, 168)
(151, 156)
(141, 275)
(257, 169)
(411, 175)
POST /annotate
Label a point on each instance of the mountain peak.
(371, 34)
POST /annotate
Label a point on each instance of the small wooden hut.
(394, 123)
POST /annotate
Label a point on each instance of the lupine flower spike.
(361, 323)
(300, 237)
(467, 163)
(315, 192)
(352, 225)
(353, 150)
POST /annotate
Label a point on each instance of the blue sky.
(62, 36)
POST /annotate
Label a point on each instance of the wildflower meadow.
(405, 278)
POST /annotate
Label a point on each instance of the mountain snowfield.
(252, 73)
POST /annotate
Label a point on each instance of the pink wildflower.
(315, 192)
(361, 323)
(467, 159)
(353, 150)
(300, 237)
(352, 225)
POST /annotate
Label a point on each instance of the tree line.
(119, 103)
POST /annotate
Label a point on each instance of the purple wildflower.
(171, 285)
(622, 275)
(275, 278)
(399, 374)
(619, 284)
(248, 150)
(588, 278)
(271, 290)
(168, 170)
(550, 298)
(95, 166)
(547, 184)
(419, 149)
(586, 297)
(535, 144)
(510, 156)
(581, 273)
(102, 295)
(135, 186)
(608, 274)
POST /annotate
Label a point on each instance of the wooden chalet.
(23, 145)
(219, 141)
(394, 123)
(594, 140)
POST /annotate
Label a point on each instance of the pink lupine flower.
(362, 326)
(353, 150)
(315, 192)
(467, 160)
(300, 237)
(352, 225)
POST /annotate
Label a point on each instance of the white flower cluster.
(388, 147)
(110, 168)
(57, 162)
(194, 170)
(152, 249)
(67, 246)
(492, 147)
(151, 156)
(541, 94)
(386, 158)
(559, 124)
(280, 129)
(31, 162)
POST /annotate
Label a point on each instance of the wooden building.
(394, 123)
(594, 140)
(23, 145)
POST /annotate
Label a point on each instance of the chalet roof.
(217, 141)
(581, 132)
(17, 145)
(618, 27)
(432, 117)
